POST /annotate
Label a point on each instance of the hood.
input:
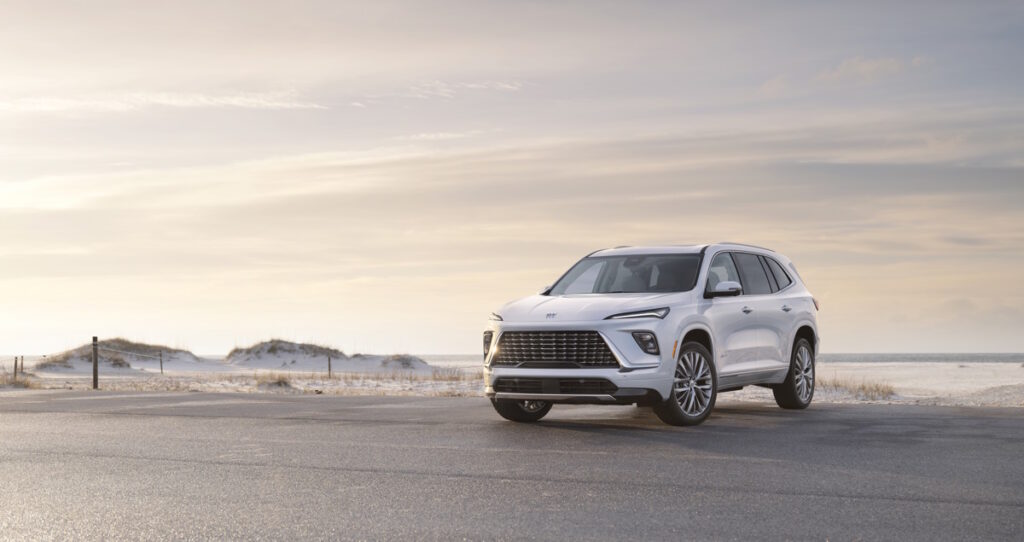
(584, 307)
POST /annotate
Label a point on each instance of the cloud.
(776, 87)
(440, 136)
(441, 89)
(862, 70)
(140, 100)
(386, 237)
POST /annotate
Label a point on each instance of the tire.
(694, 388)
(521, 411)
(797, 391)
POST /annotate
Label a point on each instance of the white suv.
(669, 327)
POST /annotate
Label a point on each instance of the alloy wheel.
(804, 374)
(693, 383)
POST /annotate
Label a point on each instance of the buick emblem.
(552, 315)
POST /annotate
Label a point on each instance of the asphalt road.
(80, 465)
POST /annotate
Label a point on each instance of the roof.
(662, 249)
(669, 249)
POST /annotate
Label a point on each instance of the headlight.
(488, 335)
(647, 342)
(649, 313)
(495, 316)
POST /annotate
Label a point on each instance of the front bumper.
(640, 377)
(629, 387)
(622, 397)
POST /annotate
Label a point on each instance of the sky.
(380, 176)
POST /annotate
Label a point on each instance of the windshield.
(630, 274)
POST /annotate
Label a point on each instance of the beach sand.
(956, 384)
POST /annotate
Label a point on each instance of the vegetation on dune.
(7, 380)
(280, 346)
(862, 389)
(64, 360)
(273, 380)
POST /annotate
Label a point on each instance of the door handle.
(786, 308)
(747, 310)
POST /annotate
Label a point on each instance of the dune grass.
(862, 389)
(7, 380)
(279, 380)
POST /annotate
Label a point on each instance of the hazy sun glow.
(381, 176)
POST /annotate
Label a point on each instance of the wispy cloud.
(775, 87)
(440, 136)
(140, 100)
(863, 70)
(441, 89)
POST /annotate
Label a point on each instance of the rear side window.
(780, 274)
(755, 281)
(771, 277)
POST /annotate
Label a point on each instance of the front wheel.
(694, 388)
(798, 389)
(521, 411)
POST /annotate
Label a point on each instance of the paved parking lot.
(97, 465)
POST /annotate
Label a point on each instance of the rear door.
(736, 331)
(780, 313)
(758, 289)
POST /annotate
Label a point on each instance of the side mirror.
(726, 288)
(544, 290)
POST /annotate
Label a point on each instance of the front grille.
(553, 349)
(567, 386)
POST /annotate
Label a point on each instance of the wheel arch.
(701, 334)
(805, 330)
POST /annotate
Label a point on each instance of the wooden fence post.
(161, 362)
(95, 364)
(15, 367)
(328, 366)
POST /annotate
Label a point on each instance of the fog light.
(647, 342)
(488, 335)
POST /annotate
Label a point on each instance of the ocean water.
(925, 358)
(476, 360)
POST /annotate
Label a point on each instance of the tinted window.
(780, 274)
(768, 272)
(722, 269)
(582, 278)
(630, 274)
(755, 281)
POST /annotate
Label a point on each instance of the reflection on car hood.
(582, 307)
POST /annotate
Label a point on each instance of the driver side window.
(722, 269)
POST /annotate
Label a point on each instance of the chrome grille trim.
(539, 349)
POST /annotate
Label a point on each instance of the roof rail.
(744, 245)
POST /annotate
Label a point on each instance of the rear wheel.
(798, 389)
(694, 388)
(521, 411)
